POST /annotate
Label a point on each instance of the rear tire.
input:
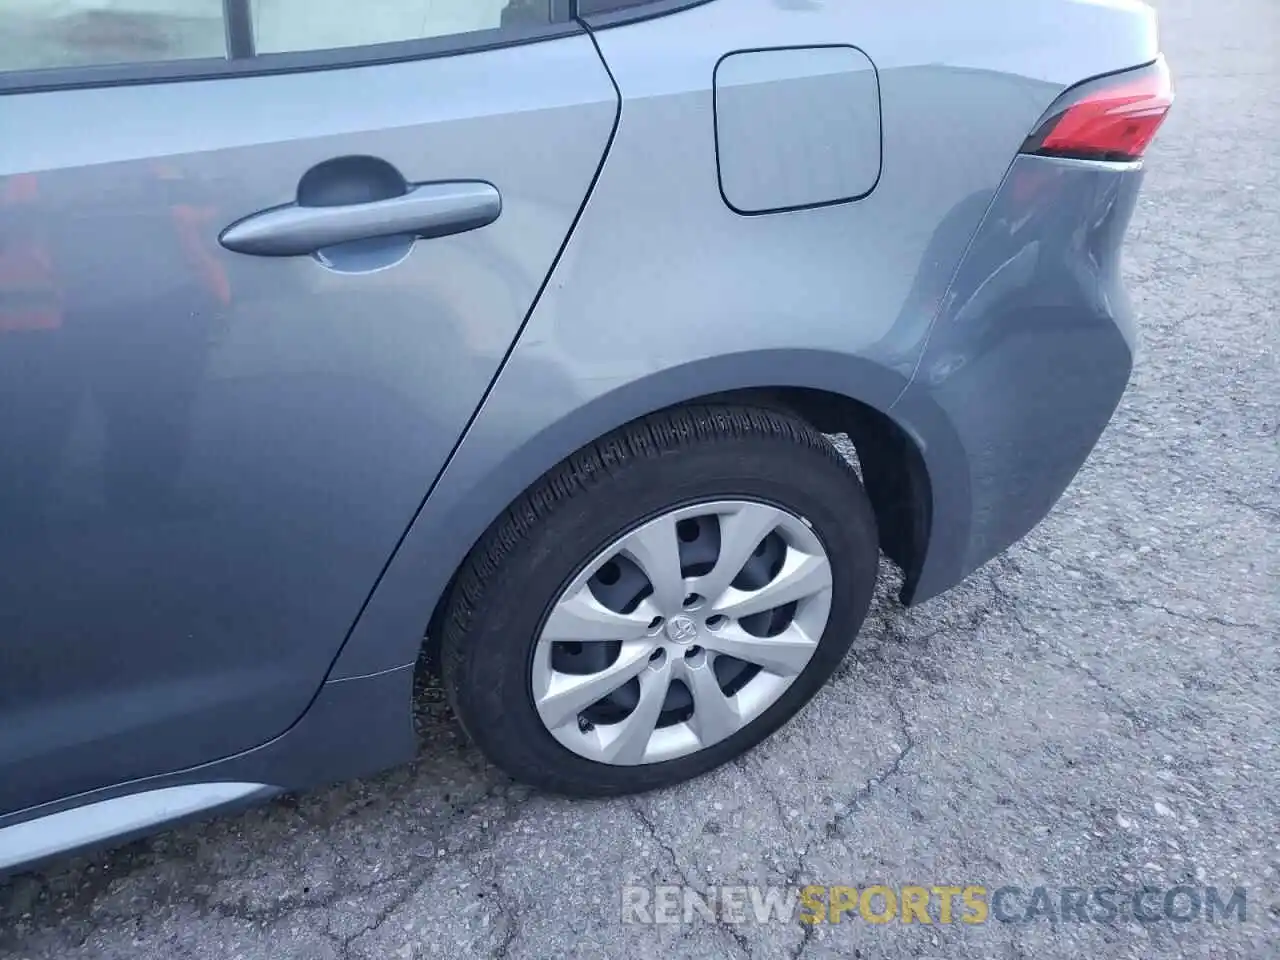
(706, 472)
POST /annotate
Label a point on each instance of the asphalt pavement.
(1098, 708)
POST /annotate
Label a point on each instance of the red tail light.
(1111, 119)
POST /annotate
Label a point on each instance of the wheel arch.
(526, 427)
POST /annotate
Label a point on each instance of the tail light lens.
(1115, 118)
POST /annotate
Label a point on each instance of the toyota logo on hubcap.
(682, 630)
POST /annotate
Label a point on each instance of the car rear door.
(212, 439)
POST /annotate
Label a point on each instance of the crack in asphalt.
(1009, 605)
(512, 932)
(1104, 588)
(747, 761)
(651, 828)
(833, 828)
(464, 855)
(399, 900)
(1265, 510)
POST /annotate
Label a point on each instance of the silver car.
(521, 326)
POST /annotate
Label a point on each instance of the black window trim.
(244, 62)
(635, 10)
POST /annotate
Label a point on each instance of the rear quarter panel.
(664, 294)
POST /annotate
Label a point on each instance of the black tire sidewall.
(487, 672)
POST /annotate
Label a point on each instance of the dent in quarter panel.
(1031, 352)
(664, 294)
(796, 127)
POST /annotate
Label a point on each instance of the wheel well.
(892, 471)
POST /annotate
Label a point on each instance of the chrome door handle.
(426, 210)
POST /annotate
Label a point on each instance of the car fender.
(536, 415)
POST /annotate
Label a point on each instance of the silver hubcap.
(682, 632)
